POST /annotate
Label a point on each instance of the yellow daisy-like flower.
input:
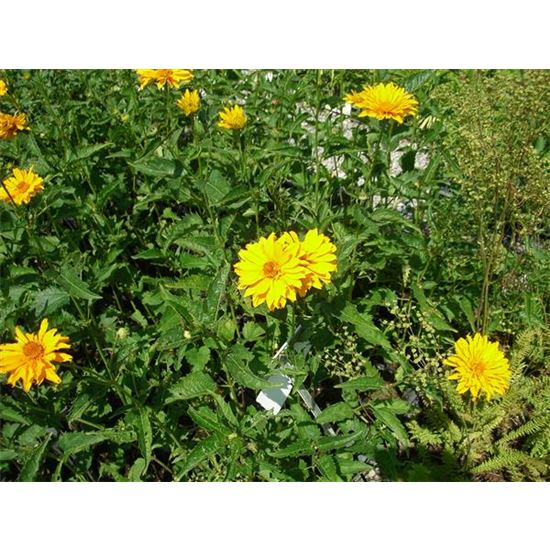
(384, 101)
(189, 102)
(21, 186)
(171, 77)
(10, 125)
(31, 358)
(270, 271)
(232, 118)
(317, 254)
(3, 87)
(479, 366)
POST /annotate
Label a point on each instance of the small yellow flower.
(232, 118)
(317, 254)
(21, 186)
(3, 87)
(171, 77)
(189, 102)
(384, 101)
(10, 125)
(31, 358)
(270, 271)
(479, 366)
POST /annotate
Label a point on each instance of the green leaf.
(12, 415)
(158, 167)
(7, 455)
(193, 385)
(137, 470)
(88, 150)
(30, 469)
(206, 418)
(204, 449)
(298, 448)
(417, 80)
(215, 292)
(74, 442)
(363, 383)
(329, 442)
(49, 300)
(75, 287)
(252, 331)
(328, 467)
(239, 370)
(335, 413)
(142, 424)
(198, 357)
(364, 326)
(392, 422)
(179, 306)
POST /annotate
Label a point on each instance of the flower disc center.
(478, 367)
(22, 186)
(271, 269)
(33, 350)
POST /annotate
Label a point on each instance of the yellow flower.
(479, 366)
(384, 101)
(232, 118)
(317, 256)
(10, 125)
(172, 77)
(21, 186)
(189, 102)
(270, 271)
(32, 356)
(3, 87)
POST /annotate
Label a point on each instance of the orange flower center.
(22, 186)
(33, 350)
(271, 269)
(478, 367)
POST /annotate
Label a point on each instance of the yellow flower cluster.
(32, 356)
(3, 87)
(384, 101)
(276, 270)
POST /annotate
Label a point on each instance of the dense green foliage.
(441, 230)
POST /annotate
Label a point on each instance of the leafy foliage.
(129, 249)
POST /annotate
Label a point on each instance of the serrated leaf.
(329, 442)
(7, 455)
(142, 424)
(75, 442)
(76, 287)
(49, 300)
(206, 418)
(363, 383)
(158, 167)
(364, 326)
(215, 292)
(239, 370)
(335, 413)
(193, 385)
(88, 150)
(12, 415)
(198, 357)
(392, 422)
(203, 450)
(32, 464)
(298, 448)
